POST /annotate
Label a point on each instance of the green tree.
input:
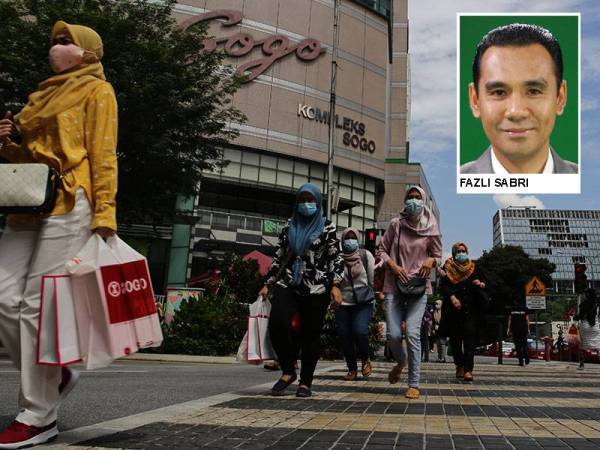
(508, 269)
(239, 278)
(174, 101)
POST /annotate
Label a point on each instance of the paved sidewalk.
(544, 405)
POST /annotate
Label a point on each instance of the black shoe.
(281, 385)
(521, 363)
(303, 392)
(527, 361)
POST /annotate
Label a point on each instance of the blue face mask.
(307, 209)
(461, 257)
(413, 206)
(350, 245)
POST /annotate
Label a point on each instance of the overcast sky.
(432, 47)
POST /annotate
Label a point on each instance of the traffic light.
(371, 239)
(580, 278)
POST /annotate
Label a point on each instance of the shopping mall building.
(285, 49)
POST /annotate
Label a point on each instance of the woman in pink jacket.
(410, 248)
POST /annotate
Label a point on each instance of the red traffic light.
(371, 236)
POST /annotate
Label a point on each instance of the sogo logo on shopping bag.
(128, 291)
(115, 288)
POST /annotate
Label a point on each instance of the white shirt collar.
(499, 169)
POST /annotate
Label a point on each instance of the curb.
(165, 358)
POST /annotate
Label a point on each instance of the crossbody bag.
(416, 286)
(28, 188)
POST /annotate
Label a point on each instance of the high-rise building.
(564, 237)
(285, 49)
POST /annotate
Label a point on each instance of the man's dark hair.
(518, 34)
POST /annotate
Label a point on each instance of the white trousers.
(27, 253)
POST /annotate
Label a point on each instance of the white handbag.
(27, 188)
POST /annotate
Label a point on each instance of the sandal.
(460, 372)
(412, 393)
(394, 375)
(366, 368)
(351, 375)
(468, 376)
(303, 392)
(281, 385)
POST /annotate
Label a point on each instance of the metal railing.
(220, 220)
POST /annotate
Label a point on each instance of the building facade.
(285, 50)
(564, 237)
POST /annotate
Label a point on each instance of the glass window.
(232, 170)
(370, 185)
(369, 212)
(284, 179)
(250, 173)
(232, 154)
(345, 192)
(286, 165)
(268, 175)
(346, 178)
(317, 171)
(342, 220)
(250, 158)
(369, 198)
(268, 161)
(299, 180)
(301, 168)
(358, 195)
(358, 222)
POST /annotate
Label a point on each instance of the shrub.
(211, 325)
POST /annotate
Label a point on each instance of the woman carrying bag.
(410, 248)
(463, 309)
(305, 275)
(69, 124)
(353, 316)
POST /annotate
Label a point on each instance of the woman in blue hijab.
(305, 275)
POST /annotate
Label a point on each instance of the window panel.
(268, 176)
(286, 165)
(249, 173)
(232, 170)
(284, 179)
(268, 161)
(301, 168)
(232, 154)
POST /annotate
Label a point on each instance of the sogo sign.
(274, 47)
(354, 131)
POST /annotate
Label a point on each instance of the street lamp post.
(332, 103)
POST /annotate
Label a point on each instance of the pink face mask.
(65, 57)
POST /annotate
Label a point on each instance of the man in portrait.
(517, 92)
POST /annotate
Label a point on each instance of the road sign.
(535, 294)
(535, 302)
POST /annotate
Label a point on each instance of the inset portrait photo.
(518, 103)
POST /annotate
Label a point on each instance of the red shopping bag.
(115, 307)
(57, 341)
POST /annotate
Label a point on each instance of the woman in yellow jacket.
(69, 123)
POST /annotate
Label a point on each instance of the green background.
(564, 138)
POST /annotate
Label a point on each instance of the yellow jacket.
(81, 144)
